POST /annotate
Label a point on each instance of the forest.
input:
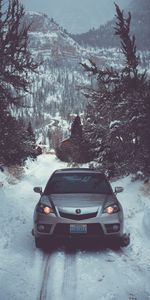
(115, 124)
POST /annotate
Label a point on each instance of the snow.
(114, 123)
(101, 274)
(43, 37)
(33, 13)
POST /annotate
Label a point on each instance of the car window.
(78, 183)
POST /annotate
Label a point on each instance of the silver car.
(78, 203)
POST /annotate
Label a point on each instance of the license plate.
(78, 228)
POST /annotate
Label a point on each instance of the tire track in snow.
(69, 284)
(52, 275)
(43, 289)
(66, 275)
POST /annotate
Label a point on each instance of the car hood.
(78, 200)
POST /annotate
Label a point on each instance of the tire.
(43, 243)
(125, 240)
(39, 243)
(115, 244)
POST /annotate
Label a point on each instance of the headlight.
(45, 209)
(111, 209)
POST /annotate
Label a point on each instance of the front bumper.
(104, 226)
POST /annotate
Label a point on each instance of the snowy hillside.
(76, 16)
(70, 273)
(56, 89)
(103, 36)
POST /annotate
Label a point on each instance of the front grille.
(77, 217)
(92, 229)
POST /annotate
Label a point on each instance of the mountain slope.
(47, 36)
(56, 89)
(76, 16)
(104, 35)
(141, 22)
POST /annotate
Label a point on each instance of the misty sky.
(76, 15)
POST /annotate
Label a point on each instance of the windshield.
(77, 183)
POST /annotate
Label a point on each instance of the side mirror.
(37, 189)
(118, 189)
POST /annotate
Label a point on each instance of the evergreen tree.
(133, 90)
(16, 62)
(16, 144)
(117, 121)
(76, 129)
(30, 132)
(31, 142)
(75, 148)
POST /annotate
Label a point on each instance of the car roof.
(78, 170)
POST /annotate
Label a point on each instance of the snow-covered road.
(68, 272)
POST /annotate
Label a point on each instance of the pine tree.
(30, 132)
(16, 144)
(133, 89)
(76, 138)
(117, 122)
(76, 129)
(75, 148)
(31, 142)
(16, 62)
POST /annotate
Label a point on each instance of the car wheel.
(44, 243)
(114, 244)
(39, 243)
(125, 240)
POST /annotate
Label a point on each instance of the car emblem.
(78, 211)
